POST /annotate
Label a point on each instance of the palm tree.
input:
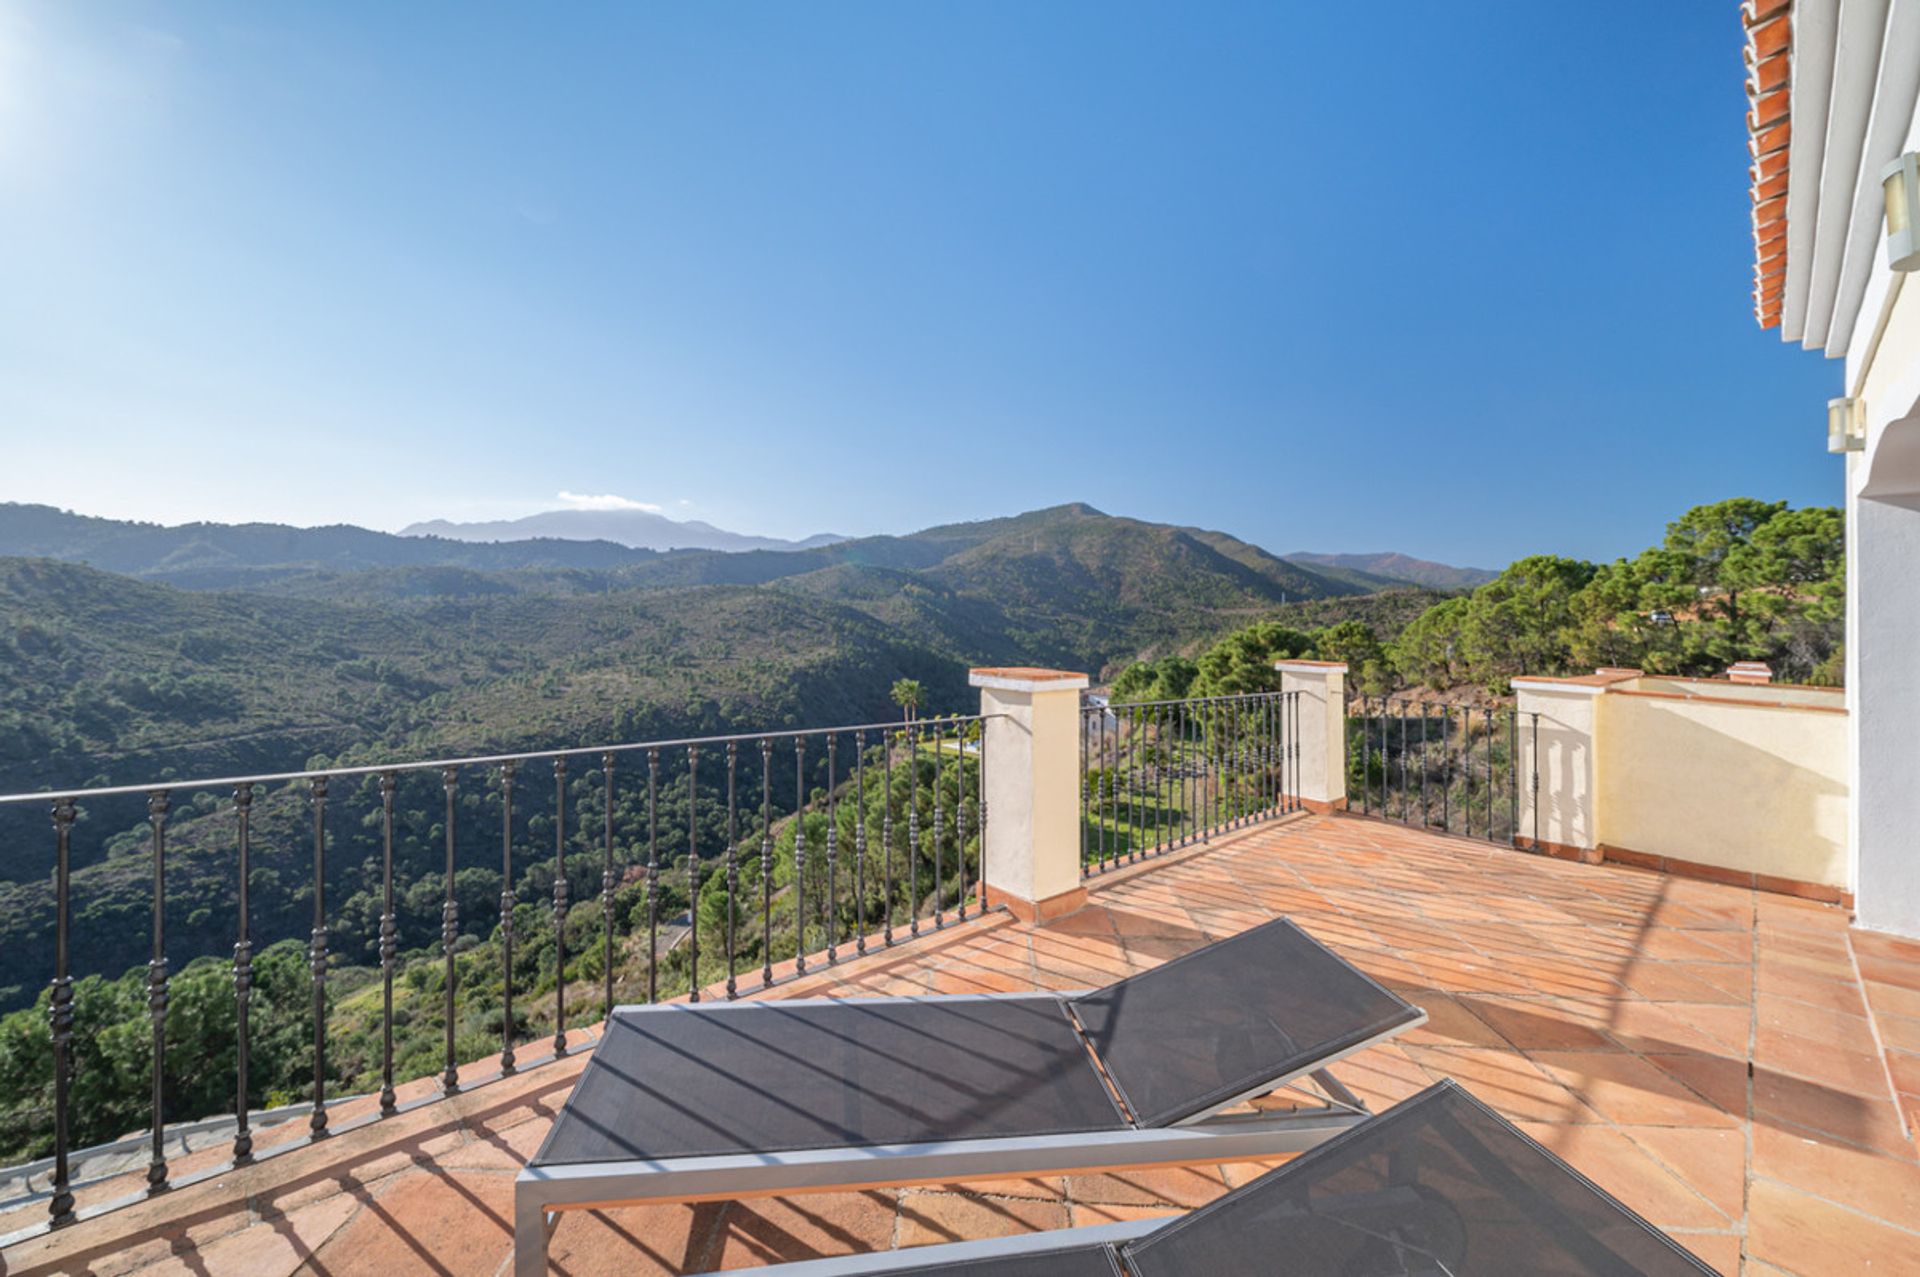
(907, 694)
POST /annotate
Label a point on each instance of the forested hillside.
(1739, 580)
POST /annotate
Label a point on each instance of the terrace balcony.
(1726, 1055)
(1723, 1059)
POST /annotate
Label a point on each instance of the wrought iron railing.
(1454, 768)
(753, 858)
(1159, 775)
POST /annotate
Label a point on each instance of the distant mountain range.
(636, 529)
(470, 560)
(1389, 569)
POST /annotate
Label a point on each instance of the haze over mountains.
(630, 526)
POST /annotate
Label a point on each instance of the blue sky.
(1466, 281)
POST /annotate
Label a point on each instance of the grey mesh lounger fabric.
(682, 1102)
(1438, 1186)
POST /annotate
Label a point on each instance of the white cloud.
(605, 501)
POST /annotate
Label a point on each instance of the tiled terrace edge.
(1702, 1051)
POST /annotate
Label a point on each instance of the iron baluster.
(1487, 717)
(606, 882)
(1243, 760)
(508, 902)
(1246, 709)
(960, 813)
(913, 828)
(1534, 779)
(243, 969)
(1269, 743)
(693, 873)
(449, 936)
(733, 860)
(1177, 760)
(1289, 791)
(389, 944)
(1366, 759)
(1206, 785)
(1406, 786)
(1289, 746)
(60, 1013)
(800, 855)
(886, 831)
(1086, 791)
(1262, 753)
(653, 875)
(1102, 793)
(1446, 767)
(860, 843)
(766, 861)
(1466, 766)
(1426, 814)
(560, 894)
(1189, 784)
(317, 958)
(833, 847)
(158, 981)
(1150, 777)
(1135, 817)
(1513, 776)
(980, 805)
(1223, 711)
(1165, 779)
(939, 861)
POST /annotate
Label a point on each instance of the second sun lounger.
(721, 1101)
(1437, 1186)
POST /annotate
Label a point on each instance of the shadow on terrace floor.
(1704, 1052)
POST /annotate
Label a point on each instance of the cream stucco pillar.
(1032, 734)
(1558, 719)
(1323, 730)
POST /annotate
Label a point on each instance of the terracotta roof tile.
(1769, 63)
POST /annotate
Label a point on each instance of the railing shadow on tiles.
(349, 930)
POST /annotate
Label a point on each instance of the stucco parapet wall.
(1311, 667)
(1023, 678)
(1820, 688)
(1744, 701)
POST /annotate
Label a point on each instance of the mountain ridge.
(279, 557)
(1392, 568)
(634, 528)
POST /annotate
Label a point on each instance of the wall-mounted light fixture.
(1846, 424)
(1902, 182)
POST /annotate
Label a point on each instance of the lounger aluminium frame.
(1437, 1186)
(719, 1101)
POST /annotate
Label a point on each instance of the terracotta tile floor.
(1725, 1061)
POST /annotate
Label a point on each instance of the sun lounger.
(1438, 1186)
(720, 1101)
